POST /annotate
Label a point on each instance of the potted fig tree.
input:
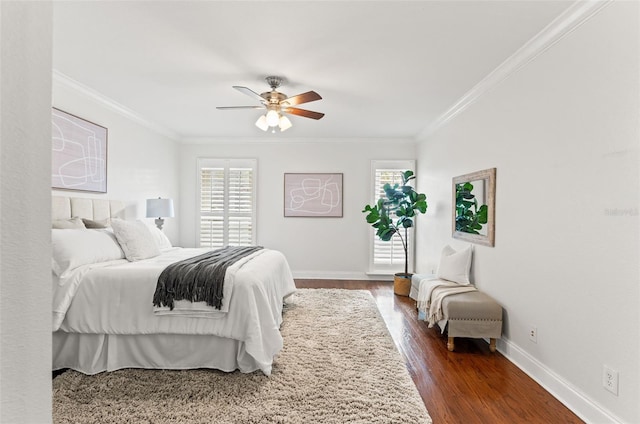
(392, 216)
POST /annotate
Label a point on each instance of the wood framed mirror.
(474, 197)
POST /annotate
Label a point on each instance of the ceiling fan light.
(272, 118)
(285, 123)
(262, 123)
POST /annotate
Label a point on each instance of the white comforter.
(116, 298)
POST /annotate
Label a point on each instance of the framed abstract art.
(313, 195)
(79, 153)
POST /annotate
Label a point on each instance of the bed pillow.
(161, 240)
(70, 223)
(135, 238)
(72, 248)
(455, 265)
(90, 223)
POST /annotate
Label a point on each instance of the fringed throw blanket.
(431, 293)
(198, 279)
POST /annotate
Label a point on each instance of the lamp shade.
(262, 123)
(273, 118)
(158, 208)
(285, 123)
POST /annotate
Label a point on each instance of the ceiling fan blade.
(239, 107)
(249, 92)
(303, 112)
(309, 96)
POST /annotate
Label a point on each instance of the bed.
(104, 318)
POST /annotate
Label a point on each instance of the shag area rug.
(339, 364)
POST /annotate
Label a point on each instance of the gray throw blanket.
(198, 279)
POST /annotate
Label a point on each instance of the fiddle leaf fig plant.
(394, 213)
(469, 217)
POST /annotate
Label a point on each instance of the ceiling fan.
(277, 104)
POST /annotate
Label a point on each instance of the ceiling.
(385, 69)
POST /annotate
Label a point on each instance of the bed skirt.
(95, 353)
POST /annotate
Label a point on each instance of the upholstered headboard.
(94, 209)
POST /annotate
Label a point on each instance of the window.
(388, 256)
(226, 208)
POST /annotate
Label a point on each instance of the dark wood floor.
(470, 385)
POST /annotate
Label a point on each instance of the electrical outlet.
(610, 380)
(533, 334)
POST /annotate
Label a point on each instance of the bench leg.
(450, 344)
(492, 345)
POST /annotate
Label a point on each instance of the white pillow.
(75, 247)
(135, 238)
(74, 222)
(455, 266)
(161, 240)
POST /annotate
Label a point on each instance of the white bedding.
(115, 298)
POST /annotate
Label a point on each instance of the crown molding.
(110, 104)
(295, 140)
(569, 20)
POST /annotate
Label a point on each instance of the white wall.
(563, 134)
(25, 212)
(314, 247)
(141, 163)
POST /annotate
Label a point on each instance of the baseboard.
(326, 275)
(572, 398)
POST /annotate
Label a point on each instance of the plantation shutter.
(387, 252)
(212, 207)
(240, 206)
(388, 256)
(227, 203)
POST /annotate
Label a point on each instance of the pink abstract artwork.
(79, 153)
(313, 195)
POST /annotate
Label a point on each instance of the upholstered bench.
(472, 314)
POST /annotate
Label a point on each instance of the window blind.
(388, 252)
(388, 256)
(227, 206)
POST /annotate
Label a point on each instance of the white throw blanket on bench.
(431, 292)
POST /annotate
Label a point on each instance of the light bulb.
(285, 123)
(262, 123)
(272, 118)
